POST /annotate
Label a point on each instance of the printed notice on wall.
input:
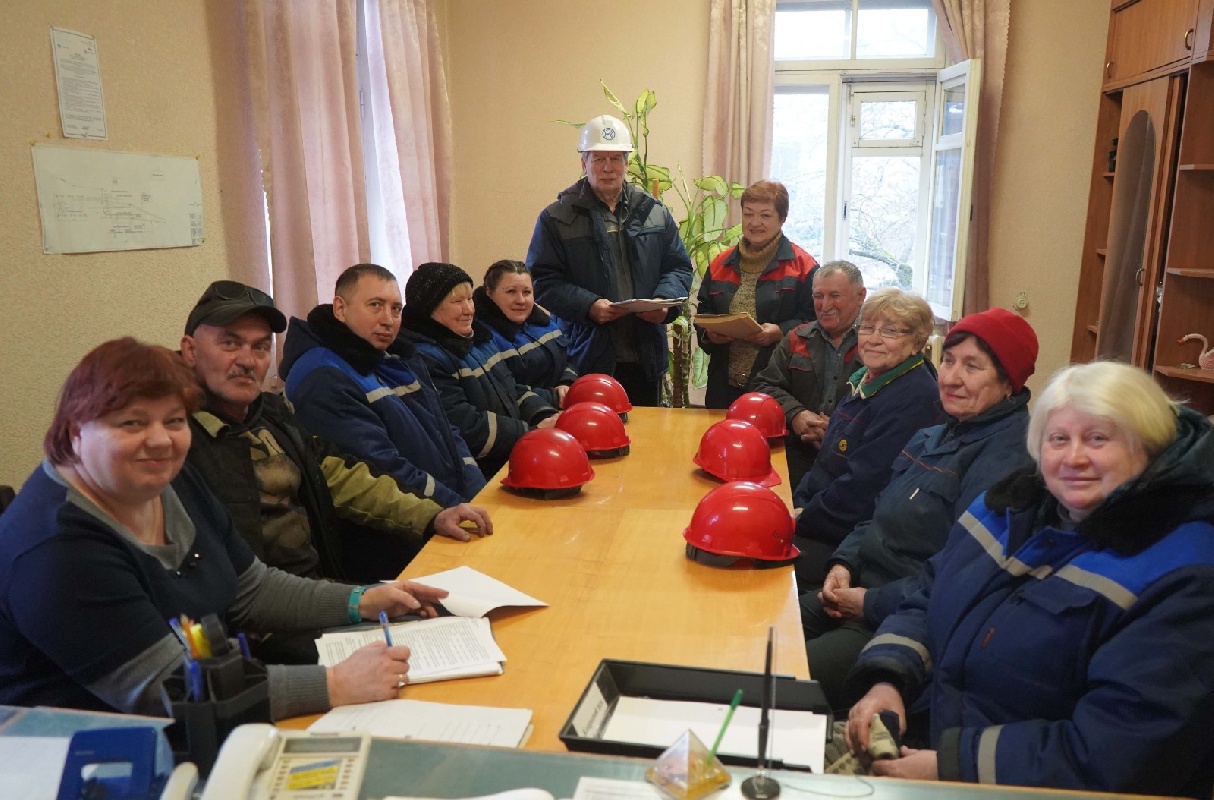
(78, 79)
(94, 200)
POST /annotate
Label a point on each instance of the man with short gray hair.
(808, 371)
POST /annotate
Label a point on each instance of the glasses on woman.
(887, 332)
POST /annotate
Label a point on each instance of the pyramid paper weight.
(683, 771)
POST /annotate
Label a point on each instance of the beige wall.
(1046, 136)
(513, 68)
(156, 69)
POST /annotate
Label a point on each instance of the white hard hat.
(605, 133)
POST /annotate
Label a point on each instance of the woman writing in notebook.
(766, 276)
(111, 537)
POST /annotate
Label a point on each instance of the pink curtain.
(979, 29)
(304, 94)
(740, 90)
(413, 127)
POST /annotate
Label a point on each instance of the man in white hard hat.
(602, 241)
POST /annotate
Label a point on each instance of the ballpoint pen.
(383, 623)
(712, 754)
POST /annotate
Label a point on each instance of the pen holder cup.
(237, 692)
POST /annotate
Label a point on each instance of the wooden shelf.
(1102, 252)
(1092, 329)
(1196, 167)
(1109, 174)
(1189, 273)
(1195, 375)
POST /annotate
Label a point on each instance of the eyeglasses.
(888, 332)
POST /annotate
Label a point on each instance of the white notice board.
(95, 200)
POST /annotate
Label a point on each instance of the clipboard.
(735, 326)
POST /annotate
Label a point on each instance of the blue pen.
(243, 641)
(193, 676)
(383, 623)
(179, 632)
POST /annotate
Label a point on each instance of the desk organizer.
(202, 726)
(613, 679)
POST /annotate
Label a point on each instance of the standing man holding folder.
(603, 241)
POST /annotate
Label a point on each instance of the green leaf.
(611, 98)
(646, 103)
(570, 124)
(713, 183)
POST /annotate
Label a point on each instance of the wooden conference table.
(610, 564)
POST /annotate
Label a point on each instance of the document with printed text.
(442, 649)
(432, 722)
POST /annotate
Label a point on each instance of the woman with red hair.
(111, 537)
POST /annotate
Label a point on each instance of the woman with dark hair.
(112, 536)
(985, 361)
(765, 275)
(529, 337)
(482, 398)
(1064, 636)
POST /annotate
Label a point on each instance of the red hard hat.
(762, 411)
(599, 388)
(733, 450)
(597, 428)
(549, 462)
(740, 520)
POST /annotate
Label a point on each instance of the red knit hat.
(1009, 337)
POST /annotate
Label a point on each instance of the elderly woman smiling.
(110, 537)
(480, 394)
(986, 359)
(1064, 636)
(891, 396)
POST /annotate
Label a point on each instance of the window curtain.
(304, 107)
(410, 105)
(979, 29)
(740, 90)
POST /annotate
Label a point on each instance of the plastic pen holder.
(236, 692)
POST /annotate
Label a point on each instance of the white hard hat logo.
(609, 134)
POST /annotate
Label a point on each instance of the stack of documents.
(735, 326)
(432, 722)
(648, 304)
(442, 649)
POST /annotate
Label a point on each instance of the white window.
(861, 127)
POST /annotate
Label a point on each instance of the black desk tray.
(613, 679)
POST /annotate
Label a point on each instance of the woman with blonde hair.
(1064, 636)
(893, 395)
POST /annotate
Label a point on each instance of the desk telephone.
(261, 762)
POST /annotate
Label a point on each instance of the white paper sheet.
(614, 789)
(475, 594)
(434, 722)
(443, 648)
(92, 200)
(30, 766)
(648, 304)
(78, 81)
(798, 738)
(512, 794)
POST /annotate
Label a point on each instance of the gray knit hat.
(428, 285)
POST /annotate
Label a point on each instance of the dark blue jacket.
(570, 258)
(938, 474)
(536, 351)
(480, 395)
(79, 603)
(867, 430)
(1074, 659)
(380, 407)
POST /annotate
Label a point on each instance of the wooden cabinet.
(1186, 300)
(1147, 270)
(1147, 38)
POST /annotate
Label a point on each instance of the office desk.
(421, 769)
(610, 564)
